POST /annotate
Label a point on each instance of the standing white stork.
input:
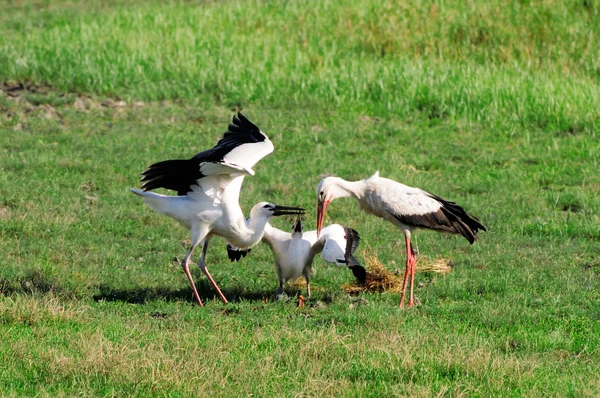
(294, 252)
(406, 207)
(208, 188)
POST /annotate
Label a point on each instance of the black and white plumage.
(208, 187)
(241, 147)
(406, 207)
(294, 252)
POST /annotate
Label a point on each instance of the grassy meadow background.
(495, 105)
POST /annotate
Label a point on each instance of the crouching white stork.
(208, 188)
(406, 207)
(294, 252)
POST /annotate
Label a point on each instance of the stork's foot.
(301, 300)
(411, 303)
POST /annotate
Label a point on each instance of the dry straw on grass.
(380, 279)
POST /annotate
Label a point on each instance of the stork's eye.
(268, 206)
(321, 194)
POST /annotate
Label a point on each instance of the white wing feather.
(247, 155)
(331, 243)
(395, 198)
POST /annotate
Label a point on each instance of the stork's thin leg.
(280, 278)
(280, 292)
(413, 267)
(307, 277)
(186, 270)
(205, 270)
(409, 259)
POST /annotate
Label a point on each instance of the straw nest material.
(380, 279)
(299, 282)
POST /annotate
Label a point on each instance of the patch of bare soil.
(32, 97)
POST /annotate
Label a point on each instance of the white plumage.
(294, 252)
(208, 187)
(406, 207)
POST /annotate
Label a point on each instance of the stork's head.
(269, 210)
(328, 189)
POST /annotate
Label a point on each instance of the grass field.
(495, 105)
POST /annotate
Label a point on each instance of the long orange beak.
(321, 209)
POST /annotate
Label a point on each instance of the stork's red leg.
(210, 278)
(212, 282)
(186, 270)
(407, 270)
(413, 267)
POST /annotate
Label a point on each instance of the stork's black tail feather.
(461, 221)
(236, 254)
(171, 174)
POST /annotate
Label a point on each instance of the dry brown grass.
(440, 265)
(379, 279)
(187, 355)
(31, 310)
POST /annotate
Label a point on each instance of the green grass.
(524, 64)
(494, 105)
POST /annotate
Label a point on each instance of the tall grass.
(504, 62)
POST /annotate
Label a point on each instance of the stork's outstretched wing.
(241, 147)
(337, 244)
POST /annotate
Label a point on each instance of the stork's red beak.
(321, 209)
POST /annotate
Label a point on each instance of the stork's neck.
(350, 189)
(240, 232)
(256, 230)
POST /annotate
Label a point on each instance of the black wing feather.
(352, 240)
(297, 226)
(359, 272)
(449, 218)
(179, 175)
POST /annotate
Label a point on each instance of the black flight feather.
(450, 217)
(297, 226)
(359, 272)
(179, 175)
(352, 242)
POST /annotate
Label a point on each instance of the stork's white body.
(212, 208)
(294, 252)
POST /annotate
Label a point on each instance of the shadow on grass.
(33, 282)
(140, 295)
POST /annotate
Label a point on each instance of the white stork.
(406, 207)
(208, 188)
(294, 252)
